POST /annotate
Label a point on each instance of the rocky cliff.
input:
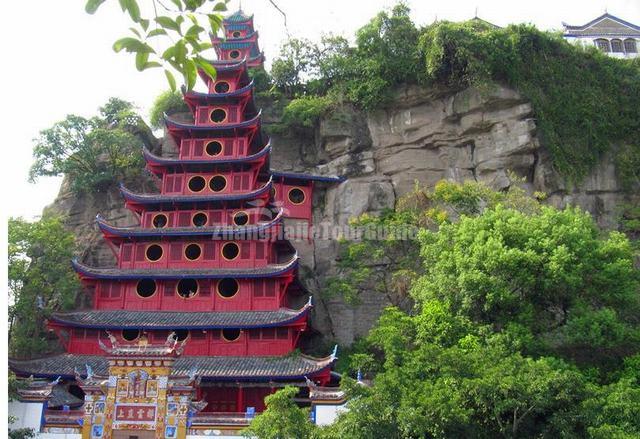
(424, 136)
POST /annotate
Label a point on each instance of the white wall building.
(612, 35)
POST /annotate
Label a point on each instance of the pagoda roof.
(190, 96)
(190, 128)
(296, 176)
(137, 231)
(61, 397)
(145, 198)
(251, 36)
(604, 25)
(124, 319)
(272, 270)
(157, 160)
(237, 17)
(295, 366)
(238, 44)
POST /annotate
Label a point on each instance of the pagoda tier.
(284, 368)
(230, 76)
(231, 333)
(186, 197)
(204, 156)
(271, 270)
(198, 226)
(240, 40)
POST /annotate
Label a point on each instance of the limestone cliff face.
(424, 136)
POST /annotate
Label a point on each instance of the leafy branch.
(179, 33)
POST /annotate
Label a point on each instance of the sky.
(57, 60)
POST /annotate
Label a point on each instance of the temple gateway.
(201, 317)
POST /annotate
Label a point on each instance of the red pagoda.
(201, 317)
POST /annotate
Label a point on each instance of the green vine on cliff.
(585, 104)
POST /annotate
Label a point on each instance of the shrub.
(169, 102)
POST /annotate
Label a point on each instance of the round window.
(217, 183)
(197, 183)
(296, 195)
(231, 334)
(240, 218)
(218, 115)
(230, 251)
(146, 287)
(130, 334)
(160, 221)
(192, 252)
(228, 287)
(154, 252)
(236, 34)
(213, 148)
(234, 54)
(200, 219)
(187, 288)
(221, 87)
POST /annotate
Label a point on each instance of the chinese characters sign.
(135, 412)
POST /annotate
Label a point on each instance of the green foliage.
(22, 433)
(169, 102)
(180, 35)
(551, 275)
(91, 152)
(524, 325)
(304, 112)
(41, 280)
(384, 257)
(282, 419)
(584, 101)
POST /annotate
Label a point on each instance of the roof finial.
(240, 5)
(476, 13)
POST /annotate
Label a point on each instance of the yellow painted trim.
(156, 216)
(147, 249)
(218, 288)
(226, 114)
(203, 187)
(184, 251)
(222, 251)
(226, 183)
(154, 292)
(214, 155)
(191, 297)
(304, 195)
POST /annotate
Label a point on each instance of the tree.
(168, 102)
(282, 419)
(552, 278)
(41, 280)
(523, 318)
(92, 152)
(179, 33)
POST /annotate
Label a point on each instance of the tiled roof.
(175, 161)
(121, 319)
(60, 396)
(217, 97)
(323, 178)
(146, 198)
(271, 270)
(604, 25)
(231, 231)
(293, 366)
(173, 124)
(237, 16)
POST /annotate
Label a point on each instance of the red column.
(240, 400)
